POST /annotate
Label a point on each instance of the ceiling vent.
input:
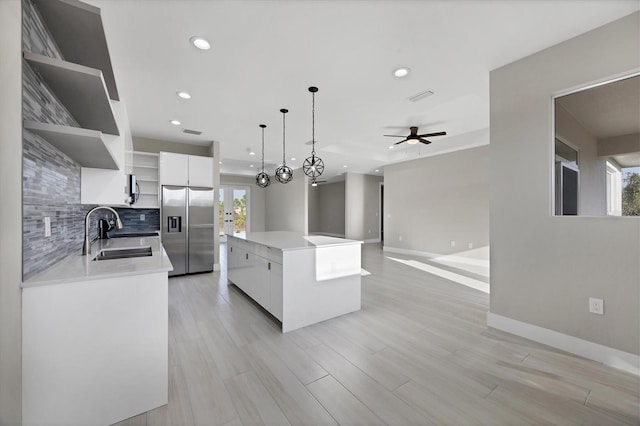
(192, 132)
(422, 95)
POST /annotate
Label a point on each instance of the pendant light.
(284, 174)
(313, 166)
(262, 179)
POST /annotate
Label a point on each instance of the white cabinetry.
(174, 169)
(186, 170)
(256, 274)
(145, 167)
(200, 171)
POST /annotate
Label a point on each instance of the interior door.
(234, 210)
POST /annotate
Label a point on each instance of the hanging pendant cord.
(313, 124)
(263, 150)
(283, 132)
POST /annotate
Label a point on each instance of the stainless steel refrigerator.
(187, 228)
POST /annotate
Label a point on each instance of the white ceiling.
(608, 110)
(265, 54)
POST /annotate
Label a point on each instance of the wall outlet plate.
(596, 306)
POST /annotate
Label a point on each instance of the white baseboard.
(438, 256)
(372, 240)
(609, 356)
(327, 234)
(216, 267)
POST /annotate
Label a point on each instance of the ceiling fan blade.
(426, 135)
(401, 141)
(395, 136)
(424, 141)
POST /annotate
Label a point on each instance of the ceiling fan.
(414, 137)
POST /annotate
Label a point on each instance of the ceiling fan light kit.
(284, 174)
(413, 138)
(262, 179)
(313, 166)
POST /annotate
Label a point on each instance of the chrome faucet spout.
(86, 248)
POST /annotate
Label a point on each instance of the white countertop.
(285, 240)
(82, 268)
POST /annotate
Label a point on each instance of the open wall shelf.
(79, 34)
(86, 147)
(81, 89)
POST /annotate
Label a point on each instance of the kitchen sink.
(134, 235)
(123, 253)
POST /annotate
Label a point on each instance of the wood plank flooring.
(418, 353)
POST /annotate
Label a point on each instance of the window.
(614, 190)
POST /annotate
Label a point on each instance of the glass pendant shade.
(284, 173)
(262, 179)
(313, 166)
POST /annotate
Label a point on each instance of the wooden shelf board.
(78, 31)
(86, 147)
(81, 89)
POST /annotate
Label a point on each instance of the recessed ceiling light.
(293, 158)
(183, 95)
(391, 146)
(401, 72)
(252, 153)
(219, 162)
(344, 165)
(200, 43)
(377, 170)
(175, 122)
(251, 165)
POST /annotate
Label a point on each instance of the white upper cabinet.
(174, 169)
(186, 170)
(200, 171)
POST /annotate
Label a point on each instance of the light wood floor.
(417, 353)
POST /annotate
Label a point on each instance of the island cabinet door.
(232, 261)
(259, 274)
(274, 289)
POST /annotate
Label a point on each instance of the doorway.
(234, 211)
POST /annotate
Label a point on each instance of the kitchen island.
(95, 336)
(299, 279)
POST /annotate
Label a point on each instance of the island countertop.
(82, 268)
(286, 240)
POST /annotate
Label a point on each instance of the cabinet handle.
(269, 266)
(231, 248)
(246, 256)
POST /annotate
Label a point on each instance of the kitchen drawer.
(274, 255)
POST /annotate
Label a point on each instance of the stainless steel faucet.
(86, 248)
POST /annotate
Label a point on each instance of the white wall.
(327, 209)
(592, 194)
(156, 145)
(362, 195)
(11, 212)
(544, 268)
(286, 205)
(432, 201)
(332, 208)
(257, 206)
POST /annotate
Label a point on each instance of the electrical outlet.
(470, 245)
(596, 306)
(453, 243)
(369, 231)
(400, 237)
(142, 217)
(47, 226)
